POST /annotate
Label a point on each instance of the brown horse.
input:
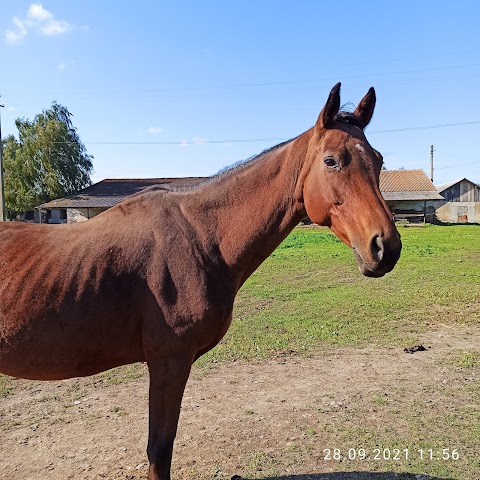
(154, 278)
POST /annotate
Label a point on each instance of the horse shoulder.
(192, 294)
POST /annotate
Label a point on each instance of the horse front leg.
(168, 377)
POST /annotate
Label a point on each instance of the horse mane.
(243, 163)
(226, 171)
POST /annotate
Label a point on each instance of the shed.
(460, 202)
(97, 198)
(410, 195)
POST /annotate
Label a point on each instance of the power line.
(215, 88)
(189, 142)
(294, 82)
(425, 127)
(270, 139)
(457, 165)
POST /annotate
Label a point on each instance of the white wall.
(82, 214)
(449, 212)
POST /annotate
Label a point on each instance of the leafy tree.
(48, 161)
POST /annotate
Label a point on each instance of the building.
(460, 202)
(410, 194)
(99, 197)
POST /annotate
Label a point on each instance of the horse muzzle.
(380, 256)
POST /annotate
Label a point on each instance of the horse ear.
(327, 115)
(366, 107)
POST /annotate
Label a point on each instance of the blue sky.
(181, 88)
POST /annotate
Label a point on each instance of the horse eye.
(330, 162)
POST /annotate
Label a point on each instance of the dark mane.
(350, 118)
(242, 163)
(222, 173)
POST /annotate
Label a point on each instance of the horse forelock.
(345, 116)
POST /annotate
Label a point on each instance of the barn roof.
(407, 185)
(111, 191)
(445, 186)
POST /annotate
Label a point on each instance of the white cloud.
(155, 130)
(37, 12)
(199, 140)
(55, 27)
(12, 37)
(65, 65)
(37, 19)
(20, 25)
(196, 140)
(17, 35)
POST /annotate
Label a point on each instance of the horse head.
(341, 185)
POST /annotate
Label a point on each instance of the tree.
(48, 161)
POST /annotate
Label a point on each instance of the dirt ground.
(272, 419)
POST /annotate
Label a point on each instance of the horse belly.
(53, 345)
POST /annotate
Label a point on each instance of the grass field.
(309, 296)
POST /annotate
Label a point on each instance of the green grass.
(117, 376)
(464, 359)
(5, 386)
(309, 296)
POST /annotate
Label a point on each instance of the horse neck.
(251, 209)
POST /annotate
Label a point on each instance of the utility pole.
(431, 162)
(2, 191)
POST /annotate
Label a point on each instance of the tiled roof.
(411, 196)
(84, 201)
(407, 185)
(129, 186)
(405, 181)
(109, 192)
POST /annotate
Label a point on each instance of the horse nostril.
(377, 248)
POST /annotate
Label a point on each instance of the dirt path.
(261, 420)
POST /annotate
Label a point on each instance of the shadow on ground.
(352, 476)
